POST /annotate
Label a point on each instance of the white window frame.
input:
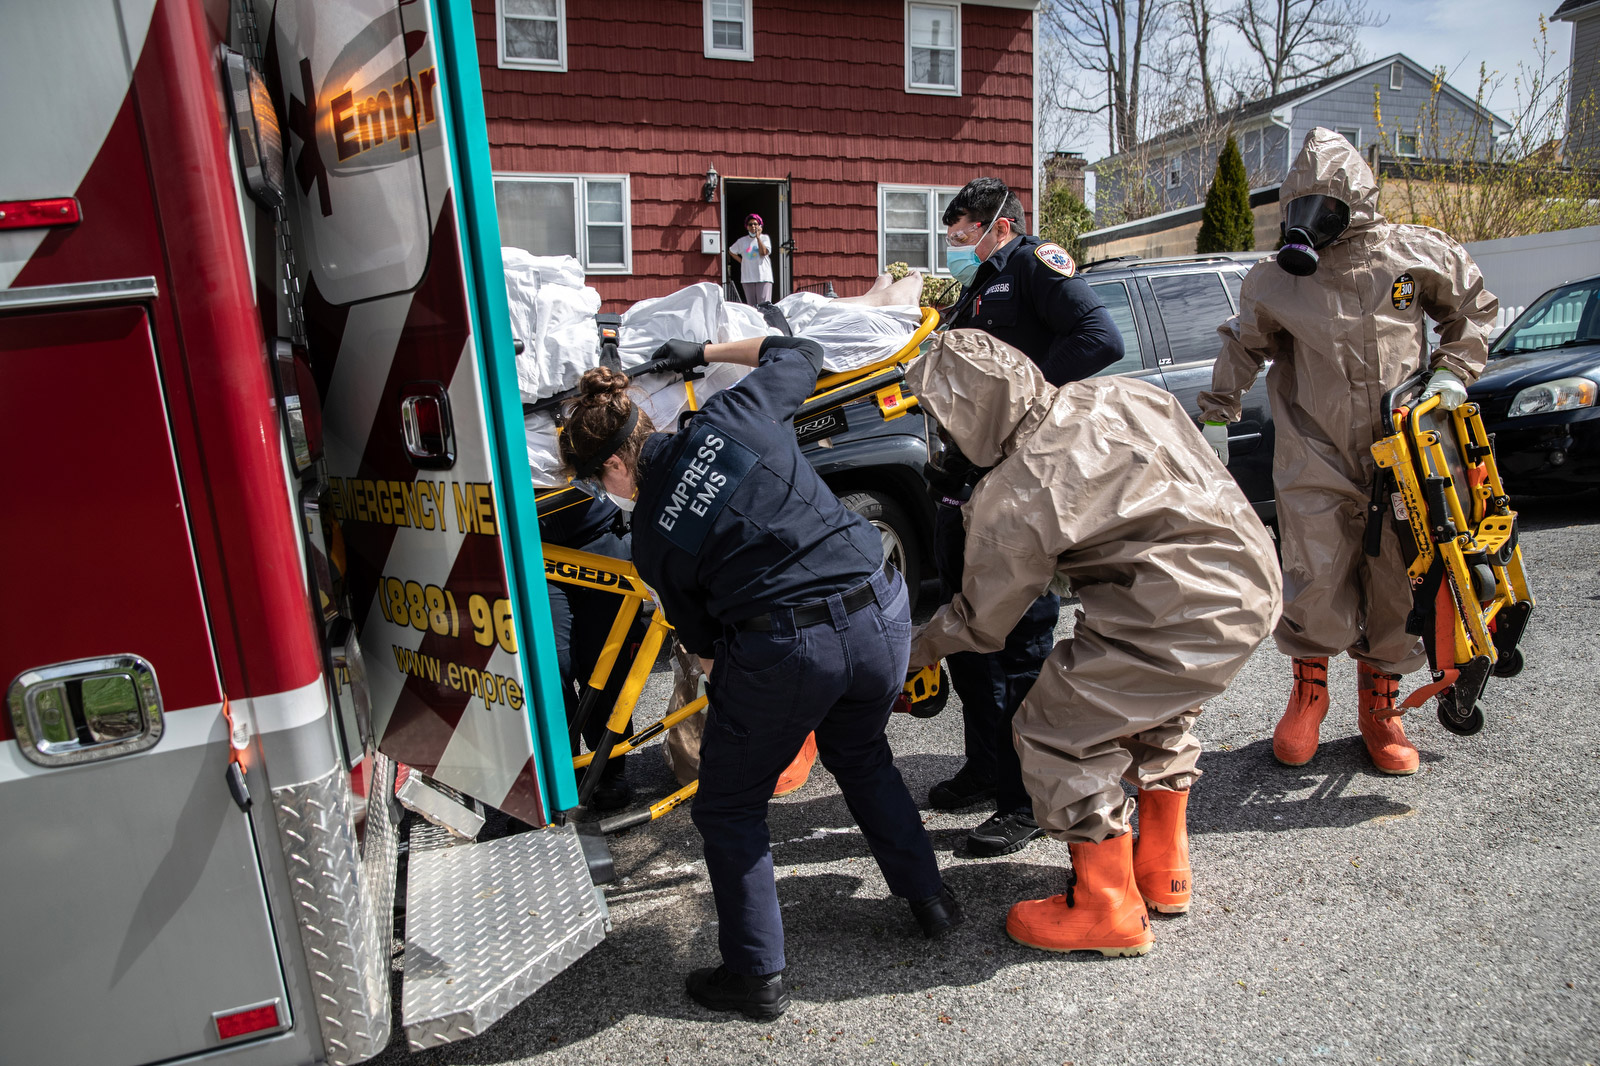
(1175, 171)
(1345, 131)
(1416, 145)
(954, 7)
(748, 52)
(509, 62)
(936, 228)
(580, 211)
(1397, 76)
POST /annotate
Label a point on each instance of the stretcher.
(639, 629)
(1458, 533)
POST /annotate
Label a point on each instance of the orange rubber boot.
(796, 773)
(1380, 724)
(1101, 911)
(1161, 854)
(1297, 736)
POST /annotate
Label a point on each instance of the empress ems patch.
(710, 469)
(1056, 258)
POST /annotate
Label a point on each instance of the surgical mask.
(962, 260)
(624, 504)
(1310, 223)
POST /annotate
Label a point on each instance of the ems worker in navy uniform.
(1026, 292)
(759, 566)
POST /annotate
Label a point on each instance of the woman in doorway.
(754, 254)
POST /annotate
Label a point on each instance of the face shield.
(1310, 223)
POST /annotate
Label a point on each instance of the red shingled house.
(637, 134)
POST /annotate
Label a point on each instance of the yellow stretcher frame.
(924, 695)
(1470, 590)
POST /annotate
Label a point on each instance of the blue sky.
(1455, 34)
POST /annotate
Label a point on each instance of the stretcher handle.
(1391, 399)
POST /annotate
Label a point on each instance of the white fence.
(1520, 269)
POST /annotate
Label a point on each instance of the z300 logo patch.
(1404, 292)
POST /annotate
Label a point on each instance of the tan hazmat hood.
(1329, 165)
(982, 391)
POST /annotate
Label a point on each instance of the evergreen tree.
(1063, 218)
(1226, 222)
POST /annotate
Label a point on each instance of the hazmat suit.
(1339, 339)
(1106, 487)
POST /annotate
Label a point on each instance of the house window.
(728, 30)
(1350, 134)
(533, 34)
(581, 215)
(1397, 75)
(933, 48)
(1406, 144)
(1175, 172)
(910, 229)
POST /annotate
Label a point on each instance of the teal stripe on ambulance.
(468, 140)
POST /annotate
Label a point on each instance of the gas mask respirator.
(951, 474)
(1310, 223)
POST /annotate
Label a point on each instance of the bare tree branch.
(1195, 22)
(1107, 40)
(1297, 41)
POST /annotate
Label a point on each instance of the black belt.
(811, 614)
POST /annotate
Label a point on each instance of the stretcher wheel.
(1483, 582)
(1451, 718)
(1510, 664)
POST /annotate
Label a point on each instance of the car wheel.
(901, 548)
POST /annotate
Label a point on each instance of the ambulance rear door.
(428, 497)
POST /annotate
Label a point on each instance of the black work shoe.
(1002, 834)
(962, 790)
(939, 913)
(611, 795)
(762, 998)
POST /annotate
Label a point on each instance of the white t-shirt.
(754, 266)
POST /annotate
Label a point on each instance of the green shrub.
(1226, 222)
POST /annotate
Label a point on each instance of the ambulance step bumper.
(488, 924)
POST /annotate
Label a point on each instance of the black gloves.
(679, 356)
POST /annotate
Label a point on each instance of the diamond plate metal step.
(487, 924)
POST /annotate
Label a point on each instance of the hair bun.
(599, 384)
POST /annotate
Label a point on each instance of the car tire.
(901, 546)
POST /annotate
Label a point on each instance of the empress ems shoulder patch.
(710, 469)
(1056, 258)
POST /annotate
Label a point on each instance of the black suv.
(1168, 311)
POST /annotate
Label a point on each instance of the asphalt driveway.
(1340, 915)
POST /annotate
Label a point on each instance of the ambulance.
(275, 543)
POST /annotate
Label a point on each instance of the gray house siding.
(1275, 153)
(1268, 148)
(1583, 106)
(1351, 107)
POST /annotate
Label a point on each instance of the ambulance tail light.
(297, 400)
(256, 133)
(36, 214)
(245, 1021)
